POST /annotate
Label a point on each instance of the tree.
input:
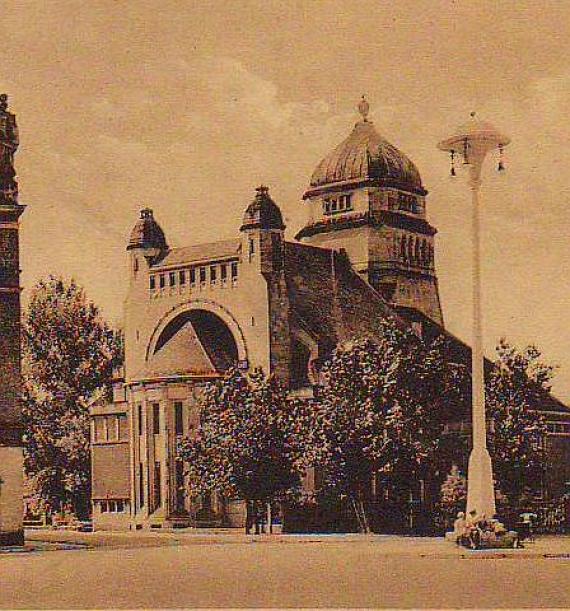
(380, 413)
(518, 383)
(69, 356)
(453, 496)
(243, 448)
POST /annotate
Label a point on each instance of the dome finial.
(364, 108)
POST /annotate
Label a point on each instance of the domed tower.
(367, 197)
(263, 229)
(146, 243)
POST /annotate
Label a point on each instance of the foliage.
(453, 496)
(245, 446)
(69, 355)
(518, 383)
(380, 411)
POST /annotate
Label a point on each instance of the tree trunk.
(360, 513)
(248, 517)
(256, 517)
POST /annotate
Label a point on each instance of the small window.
(120, 505)
(112, 507)
(99, 429)
(172, 278)
(178, 418)
(123, 427)
(162, 281)
(140, 418)
(213, 274)
(202, 275)
(152, 282)
(234, 270)
(104, 507)
(251, 247)
(112, 428)
(334, 205)
(182, 277)
(192, 273)
(349, 201)
(156, 419)
(136, 265)
(223, 272)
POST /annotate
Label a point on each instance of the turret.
(263, 251)
(262, 232)
(147, 242)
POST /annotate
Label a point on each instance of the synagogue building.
(365, 254)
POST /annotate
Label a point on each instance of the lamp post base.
(480, 486)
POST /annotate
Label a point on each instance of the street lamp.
(471, 143)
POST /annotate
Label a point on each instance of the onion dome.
(365, 155)
(147, 233)
(263, 212)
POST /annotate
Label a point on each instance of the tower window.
(333, 205)
(152, 282)
(192, 274)
(234, 270)
(223, 272)
(162, 281)
(213, 274)
(202, 275)
(172, 278)
(182, 277)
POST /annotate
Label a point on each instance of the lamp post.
(471, 143)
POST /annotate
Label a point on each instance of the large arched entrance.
(196, 340)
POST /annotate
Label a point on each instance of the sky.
(185, 107)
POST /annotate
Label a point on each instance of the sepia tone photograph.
(284, 294)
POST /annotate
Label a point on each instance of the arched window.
(424, 252)
(300, 365)
(403, 252)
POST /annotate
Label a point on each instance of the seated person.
(459, 528)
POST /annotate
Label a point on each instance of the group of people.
(477, 531)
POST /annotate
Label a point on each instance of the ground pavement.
(196, 569)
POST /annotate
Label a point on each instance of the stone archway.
(201, 330)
